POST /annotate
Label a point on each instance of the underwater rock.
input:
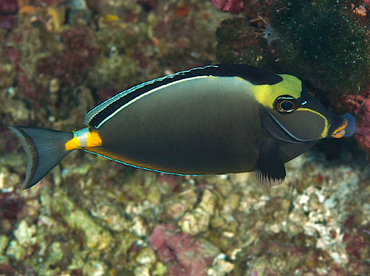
(178, 34)
(239, 42)
(77, 12)
(197, 220)
(363, 131)
(360, 106)
(4, 240)
(8, 6)
(220, 266)
(24, 242)
(233, 6)
(323, 43)
(8, 9)
(96, 236)
(8, 22)
(95, 268)
(181, 252)
(146, 257)
(71, 63)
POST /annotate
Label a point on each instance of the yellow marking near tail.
(93, 140)
(83, 138)
(73, 144)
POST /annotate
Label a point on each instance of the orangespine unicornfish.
(215, 119)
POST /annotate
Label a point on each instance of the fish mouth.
(340, 131)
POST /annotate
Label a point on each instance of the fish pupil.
(286, 105)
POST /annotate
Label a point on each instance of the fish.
(216, 119)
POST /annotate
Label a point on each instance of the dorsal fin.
(255, 75)
(100, 112)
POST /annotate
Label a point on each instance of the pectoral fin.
(270, 170)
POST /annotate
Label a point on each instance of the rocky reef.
(92, 216)
(325, 43)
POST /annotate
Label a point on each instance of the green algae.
(4, 241)
(323, 42)
(238, 42)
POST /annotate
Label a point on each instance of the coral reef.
(91, 216)
(8, 19)
(360, 105)
(251, 8)
(229, 5)
(239, 42)
(182, 253)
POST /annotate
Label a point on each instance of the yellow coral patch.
(27, 9)
(109, 18)
(56, 18)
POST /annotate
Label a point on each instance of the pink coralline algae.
(49, 2)
(360, 105)
(7, 22)
(8, 9)
(233, 6)
(10, 205)
(12, 54)
(188, 256)
(355, 245)
(8, 6)
(74, 60)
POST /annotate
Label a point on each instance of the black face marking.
(254, 75)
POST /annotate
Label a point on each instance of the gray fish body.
(209, 120)
(187, 130)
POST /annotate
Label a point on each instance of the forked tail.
(45, 148)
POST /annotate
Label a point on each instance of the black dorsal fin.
(255, 75)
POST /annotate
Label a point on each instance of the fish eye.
(285, 104)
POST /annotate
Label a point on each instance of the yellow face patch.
(266, 94)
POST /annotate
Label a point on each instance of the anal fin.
(270, 169)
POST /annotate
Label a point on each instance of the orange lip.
(340, 131)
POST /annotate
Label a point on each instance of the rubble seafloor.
(92, 216)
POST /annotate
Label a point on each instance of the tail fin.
(45, 148)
